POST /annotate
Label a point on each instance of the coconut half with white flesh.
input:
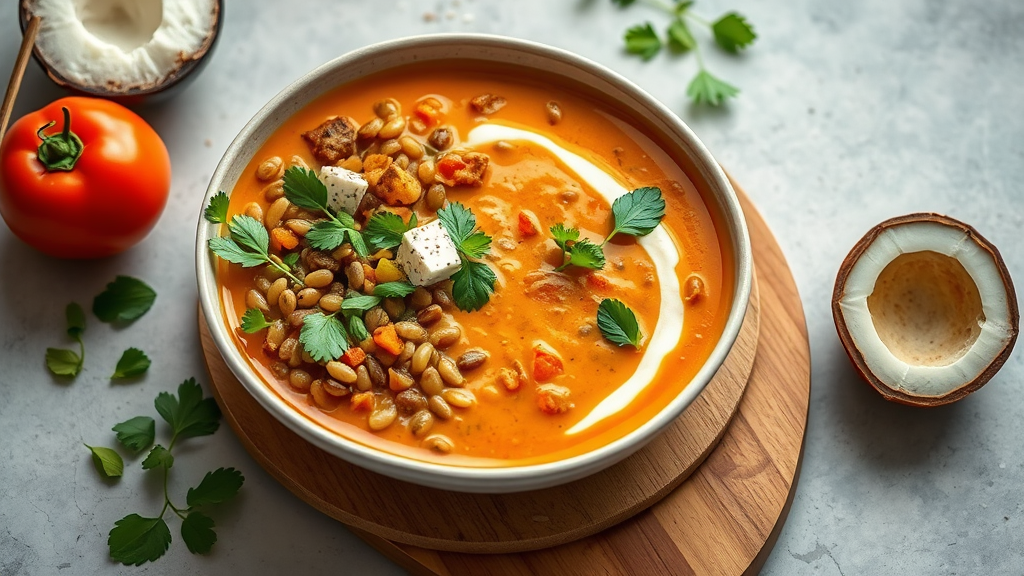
(123, 49)
(926, 309)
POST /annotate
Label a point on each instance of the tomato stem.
(60, 151)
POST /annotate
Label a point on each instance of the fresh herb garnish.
(216, 211)
(357, 329)
(136, 434)
(63, 362)
(290, 260)
(393, 289)
(133, 362)
(385, 229)
(618, 323)
(108, 462)
(323, 336)
(253, 321)
(305, 190)
(474, 281)
(248, 245)
(134, 539)
(731, 32)
(636, 213)
(356, 302)
(125, 299)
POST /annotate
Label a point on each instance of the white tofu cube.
(428, 255)
(345, 188)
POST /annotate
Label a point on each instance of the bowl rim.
(449, 476)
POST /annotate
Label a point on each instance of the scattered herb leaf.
(216, 487)
(385, 229)
(125, 299)
(216, 211)
(472, 285)
(393, 289)
(253, 321)
(135, 540)
(133, 362)
(732, 32)
(643, 41)
(637, 213)
(136, 434)
(158, 457)
(189, 414)
(705, 88)
(63, 362)
(107, 461)
(618, 323)
(323, 337)
(197, 533)
(356, 302)
(248, 245)
(680, 39)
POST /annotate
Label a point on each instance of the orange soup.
(504, 361)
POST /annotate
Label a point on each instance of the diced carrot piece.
(449, 164)
(369, 273)
(284, 238)
(354, 356)
(362, 401)
(597, 281)
(387, 271)
(427, 113)
(545, 365)
(387, 338)
(529, 225)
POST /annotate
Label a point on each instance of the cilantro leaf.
(304, 189)
(679, 37)
(133, 362)
(618, 323)
(637, 213)
(323, 337)
(643, 41)
(158, 457)
(125, 299)
(108, 462)
(218, 486)
(359, 302)
(250, 233)
(458, 221)
(385, 229)
(357, 242)
(189, 414)
(472, 285)
(732, 32)
(290, 260)
(357, 329)
(476, 245)
(393, 290)
(228, 250)
(253, 321)
(197, 532)
(586, 254)
(63, 362)
(135, 540)
(706, 89)
(327, 235)
(216, 211)
(137, 433)
(76, 320)
(563, 236)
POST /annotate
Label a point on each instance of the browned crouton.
(487, 103)
(332, 141)
(396, 187)
(462, 168)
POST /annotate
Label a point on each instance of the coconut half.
(926, 309)
(115, 48)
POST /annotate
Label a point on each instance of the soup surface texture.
(532, 365)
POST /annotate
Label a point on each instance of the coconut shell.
(857, 357)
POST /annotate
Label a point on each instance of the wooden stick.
(27, 42)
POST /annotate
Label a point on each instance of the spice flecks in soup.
(529, 377)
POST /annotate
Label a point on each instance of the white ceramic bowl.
(662, 123)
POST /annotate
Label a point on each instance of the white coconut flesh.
(927, 308)
(120, 45)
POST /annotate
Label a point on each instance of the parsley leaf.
(248, 245)
(217, 210)
(323, 337)
(472, 285)
(710, 90)
(253, 321)
(125, 299)
(218, 486)
(137, 433)
(643, 41)
(135, 540)
(197, 532)
(458, 221)
(476, 245)
(679, 37)
(359, 302)
(385, 229)
(304, 189)
(732, 32)
(158, 457)
(327, 235)
(133, 362)
(228, 250)
(63, 362)
(563, 236)
(618, 323)
(189, 414)
(637, 213)
(393, 290)
(250, 233)
(76, 320)
(357, 329)
(290, 260)
(585, 254)
(108, 462)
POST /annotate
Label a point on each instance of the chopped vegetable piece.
(354, 356)
(553, 399)
(387, 338)
(529, 225)
(546, 365)
(387, 271)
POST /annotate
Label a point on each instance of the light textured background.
(851, 112)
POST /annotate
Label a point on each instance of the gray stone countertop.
(850, 113)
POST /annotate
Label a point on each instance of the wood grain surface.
(725, 518)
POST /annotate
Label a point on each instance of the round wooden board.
(481, 523)
(725, 518)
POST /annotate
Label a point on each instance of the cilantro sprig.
(636, 213)
(731, 32)
(385, 229)
(473, 282)
(305, 190)
(63, 362)
(135, 539)
(618, 323)
(248, 245)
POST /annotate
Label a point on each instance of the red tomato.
(93, 192)
(545, 365)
